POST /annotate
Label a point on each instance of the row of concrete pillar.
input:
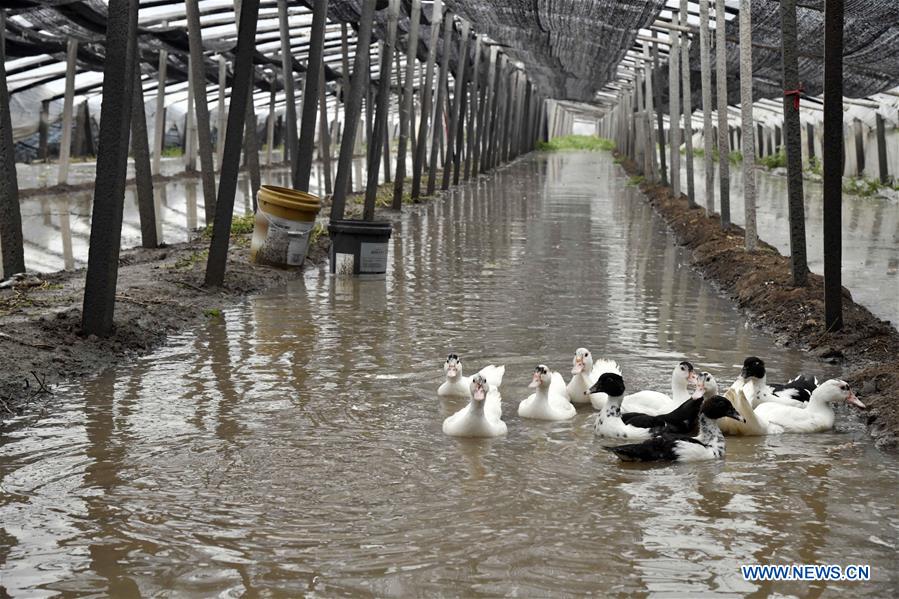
(631, 126)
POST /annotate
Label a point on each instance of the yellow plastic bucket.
(284, 219)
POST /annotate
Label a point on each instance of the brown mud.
(760, 283)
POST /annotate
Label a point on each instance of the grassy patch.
(240, 225)
(635, 180)
(172, 152)
(777, 160)
(212, 313)
(860, 186)
(577, 142)
(317, 231)
(735, 157)
(815, 166)
(188, 262)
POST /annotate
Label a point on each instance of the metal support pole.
(441, 93)
(859, 147)
(190, 127)
(383, 103)
(65, 143)
(306, 144)
(140, 148)
(798, 262)
(11, 242)
(833, 160)
(159, 117)
(749, 189)
(201, 106)
(241, 92)
(290, 115)
(43, 129)
(721, 84)
(112, 162)
(351, 115)
(452, 156)
(406, 104)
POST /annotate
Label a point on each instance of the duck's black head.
(687, 365)
(753, 367)
(720, 407)
(609, 383)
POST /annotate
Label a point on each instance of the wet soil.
(160, 291)
(760, 283)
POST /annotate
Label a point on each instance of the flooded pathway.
(295, 447)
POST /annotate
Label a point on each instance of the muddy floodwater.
(294, 446)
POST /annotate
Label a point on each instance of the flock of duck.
(683, 426)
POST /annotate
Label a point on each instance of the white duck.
(481, 417)
(609, 423)
(817, 416)
(753, 424)
(457, 385)
(550, 401)
(586, 372)
(795, 392)
(707, 445)
(654, 402)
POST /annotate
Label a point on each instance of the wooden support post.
(441, 93)
(65, 143)
(222, 112)
(385, 131)
(649, 142)
(112, 162)
(503, 152)
(674, 111)
(140, 149)
(833, 161)
(687, 87)
(323, 132)
(78, 149)
(882, 151)
(859, 147)
(761, 137)
(290, 114)
(810, 140)
(721, 84)
(383, 103)
(11, 242)
(706, 75)
(659, 118)
(159, 117)
(487, 111)
(241, 92)
(351, 114)
(406, 104)
(201, 106)
(790, 63)
(452, 157)
(314, 65)
(749, 189)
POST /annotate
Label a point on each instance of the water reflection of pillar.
(65, 229)
(109, 544)
(159, 197)
(218, 336)
(190, 189)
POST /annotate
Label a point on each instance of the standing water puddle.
(295, 445)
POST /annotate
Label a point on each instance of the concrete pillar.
(748, 148)
(68, 109)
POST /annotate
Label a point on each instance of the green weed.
(577, 142)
